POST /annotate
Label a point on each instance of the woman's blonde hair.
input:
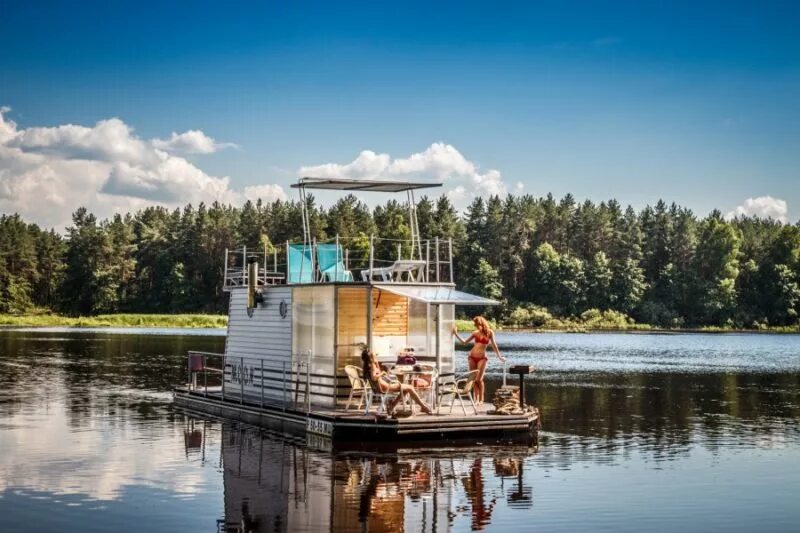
(483, 325)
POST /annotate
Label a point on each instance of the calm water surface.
(641, 432)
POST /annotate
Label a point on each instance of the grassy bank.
(122, 320)
(583, 324)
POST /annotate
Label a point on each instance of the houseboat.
(300, 315)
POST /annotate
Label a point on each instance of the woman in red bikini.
(482, 337)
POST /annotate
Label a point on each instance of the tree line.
(662, 265)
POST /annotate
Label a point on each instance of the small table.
(521, 371)
(406, 372)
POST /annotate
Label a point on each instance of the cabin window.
(418, 328)
(446, 344)
(312, 326)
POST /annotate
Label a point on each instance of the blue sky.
(697, 103)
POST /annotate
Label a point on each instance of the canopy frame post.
(369, 317)
(307, 240)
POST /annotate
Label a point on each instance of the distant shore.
(573, 326)
(122, 320)
(134, 320)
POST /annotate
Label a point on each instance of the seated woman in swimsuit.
(482, 337)
(380, 380)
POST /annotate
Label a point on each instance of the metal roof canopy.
(436, 295)
(347, 184)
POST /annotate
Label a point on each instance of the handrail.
(435, 256)
(253, 379)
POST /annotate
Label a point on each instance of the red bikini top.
(481, 339)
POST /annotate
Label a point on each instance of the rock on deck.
(346, 425)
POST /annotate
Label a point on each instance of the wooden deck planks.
(420, 425)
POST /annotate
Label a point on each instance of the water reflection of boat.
(297, 327)
(276, 483)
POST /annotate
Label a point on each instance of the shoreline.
(466, 326)
(658, 331)
(121, 320)
(194, 321)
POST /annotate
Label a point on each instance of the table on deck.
(406, 373)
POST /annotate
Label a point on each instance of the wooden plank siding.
(351, 328)
(265, 335)
(390, 314)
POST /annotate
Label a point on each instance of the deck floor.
(403, 424)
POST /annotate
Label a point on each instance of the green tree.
(599, 281)
(716, 266)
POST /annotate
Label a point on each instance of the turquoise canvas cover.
(301, 268)
(331, 264)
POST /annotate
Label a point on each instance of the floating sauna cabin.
(301, 312)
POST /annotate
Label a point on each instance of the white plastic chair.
(385, 397)
(430, 389)
(460, 388)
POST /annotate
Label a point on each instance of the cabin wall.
(265, 338)
(322, 320)
(266, 334)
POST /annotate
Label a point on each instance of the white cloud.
(48, 172)
(762, 207)
(267, 193)
(108, 141)
(190, 142)
(457, 195)
(368, 165)
(439, 161)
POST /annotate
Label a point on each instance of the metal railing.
(252, 381)
(236, 272)
(375, 259)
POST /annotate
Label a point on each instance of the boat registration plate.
(319, 427)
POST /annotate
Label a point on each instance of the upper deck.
(359, 261)
(360, 258)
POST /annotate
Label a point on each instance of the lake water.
(641, 432)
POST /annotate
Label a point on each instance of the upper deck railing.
(362, 259)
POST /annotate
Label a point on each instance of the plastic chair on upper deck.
(300, 264)
(331, 264)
